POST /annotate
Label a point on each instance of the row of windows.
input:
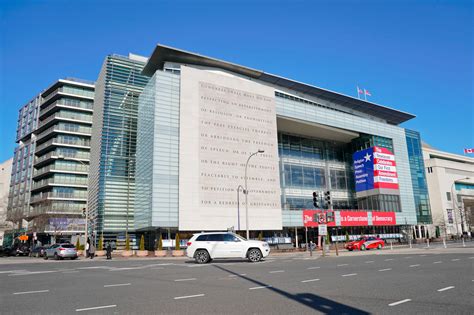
(298, 147)
(380, 203)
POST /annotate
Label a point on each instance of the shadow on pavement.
(310, 300)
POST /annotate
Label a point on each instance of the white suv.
(204, 247)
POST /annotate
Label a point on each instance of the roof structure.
(163, 54)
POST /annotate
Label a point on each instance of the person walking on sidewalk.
(87, 248)
(91, 251)
(108, 248)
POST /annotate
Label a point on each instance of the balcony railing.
(58, 168)
(60, 103)
(66, 115)
(55, 141)
(58, 128)
(57, 181)
(58, 195)
(55, 154)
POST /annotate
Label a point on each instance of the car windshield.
(67, 246)
(362, 238)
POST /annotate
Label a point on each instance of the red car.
(365, 242)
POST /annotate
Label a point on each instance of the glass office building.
(113, 148)
(61, 167)
(189, 108)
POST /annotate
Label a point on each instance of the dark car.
(38, 251)
(5, 251)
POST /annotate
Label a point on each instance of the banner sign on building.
(375, 168)
(350, 218)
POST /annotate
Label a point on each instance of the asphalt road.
(401, 283)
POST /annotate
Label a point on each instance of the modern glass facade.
(308, 165)
(113, 148)
(23, 159)
(158, 152)
(417, 169)
(59, 188)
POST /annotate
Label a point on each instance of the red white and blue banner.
(375, 168)
(312, 218)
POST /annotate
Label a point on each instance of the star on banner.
(367, 157)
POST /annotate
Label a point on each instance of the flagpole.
(358, 94)
(365, 94)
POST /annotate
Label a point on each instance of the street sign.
(323, 229)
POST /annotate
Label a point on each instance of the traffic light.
(327, 197)
(315, 199)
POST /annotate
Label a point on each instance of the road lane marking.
(188, 296)
(70, 271)
(388, 259)
(233, 276)
(340, 265)
(438, 262)
(350, 275)
(399, 302)
(95, 267)
(95, 308)
(369, 261)
(277, 271)
(262, 287)
(13, 271)
(32, 273)
(311, 268)
(407, 257)
(422, 255)
(29, 292)
(417, 265)
(445, 289)
(456, 259)
(310, 280)
(471, 257)
(116, 285)
(189, 279)
(386, 269)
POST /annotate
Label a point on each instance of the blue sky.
(415, 56)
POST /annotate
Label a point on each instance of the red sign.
(312, 218)
(383, 218)
(354, 218)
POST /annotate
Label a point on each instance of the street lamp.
(247, 192)
(86, 229)
(238, 205)
(454, 205)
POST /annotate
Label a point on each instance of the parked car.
(365, 243)
(38, 251)
(204, 247)
(5, 251)
(61, 251)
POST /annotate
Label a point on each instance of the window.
(230, 238)
(448, 195)
(215, 238)
(202, 238)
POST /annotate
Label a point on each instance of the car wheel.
(202, 256)
(73, 258)
(56, 257)
(362, 247)
(379, 246)
(350, 250)
(255, 255)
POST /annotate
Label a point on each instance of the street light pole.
(247, 192)
(238, 205)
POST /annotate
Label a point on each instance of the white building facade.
(450, 180)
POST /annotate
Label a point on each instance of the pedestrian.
(108, 249)
(91, 251)
(87, 248)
